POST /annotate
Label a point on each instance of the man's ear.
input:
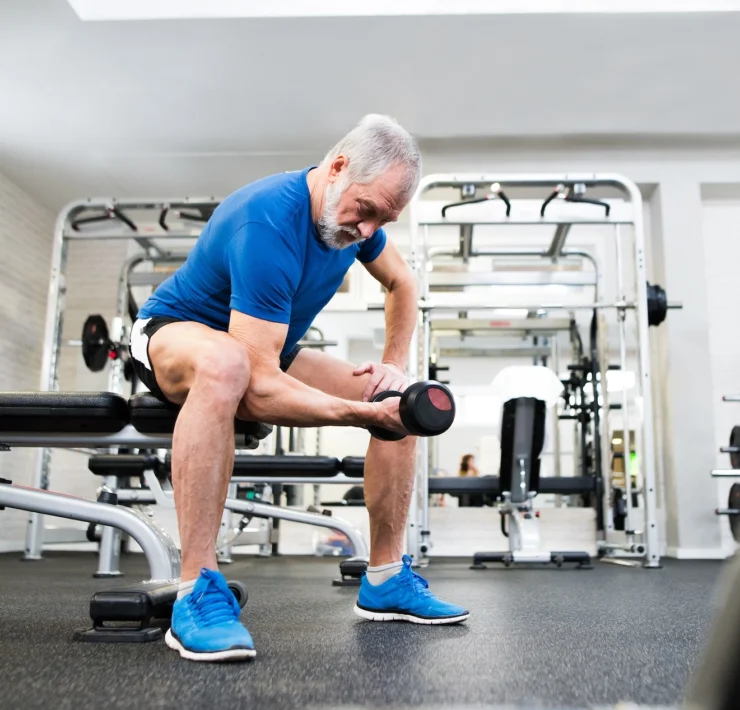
(339, 164)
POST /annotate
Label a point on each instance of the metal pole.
(621, 316)
(109, 551)
(605, 425)
(647, 461)
(263, 510)
(557, 464)
(224, 547)
(417, 260)
(49, 367)
(428, 305)
(160, 550)
(422, 445)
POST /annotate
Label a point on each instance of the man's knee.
(223, 369)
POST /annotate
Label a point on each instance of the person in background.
(467, 466)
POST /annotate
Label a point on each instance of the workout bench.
(101, 420)
(153, 474)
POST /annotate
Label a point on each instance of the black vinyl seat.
(62, 412)
(491, 485)
(353, 466)
(150, 415)
(288, 466)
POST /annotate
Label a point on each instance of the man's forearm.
(401, 311)
(277, 398)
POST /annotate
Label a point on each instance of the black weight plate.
(95, 343)
(239, 590)
(657, 304)
(733, 503)
(735, 441)
(427, 409)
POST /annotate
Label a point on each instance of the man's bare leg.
(389, 482)
(390, 591)
(209, 372)
(389, 465)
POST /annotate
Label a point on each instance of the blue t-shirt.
(260, 254)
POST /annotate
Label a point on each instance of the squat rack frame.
(68, 227)
(418, 534)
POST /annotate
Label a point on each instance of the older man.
(220, 338)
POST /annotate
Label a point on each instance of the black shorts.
(142, 331)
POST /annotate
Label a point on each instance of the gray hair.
(375, 145)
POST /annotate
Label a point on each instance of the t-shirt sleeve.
(370, 249)
(265, 272)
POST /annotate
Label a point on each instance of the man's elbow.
(259, 395)
(404, 283)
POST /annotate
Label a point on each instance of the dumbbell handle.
(727, 511)
(730, 450)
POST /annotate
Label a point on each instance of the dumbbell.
(426, 409)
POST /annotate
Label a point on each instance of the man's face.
(353, 212)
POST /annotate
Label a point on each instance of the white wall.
(720, 229)
(26, 231)
(25, 244)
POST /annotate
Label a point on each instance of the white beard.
(331, 233)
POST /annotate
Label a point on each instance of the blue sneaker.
(405, 597)
(205, 623)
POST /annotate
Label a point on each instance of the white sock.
(378, 575)
(185, 588)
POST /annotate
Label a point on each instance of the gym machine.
(649, 304)
(526, 393)
(102, 420)
(152, 474)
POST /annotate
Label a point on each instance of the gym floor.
(536, 638)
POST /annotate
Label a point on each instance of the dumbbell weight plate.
(427, 408)
(379, 432)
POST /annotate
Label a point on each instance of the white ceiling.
(180, 9)
(202, 106)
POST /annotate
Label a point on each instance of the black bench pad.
(287, 466)
(123, 464)
(353, 466)
(62, 412)
(491, 485)
(149, 415)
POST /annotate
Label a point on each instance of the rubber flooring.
(536, 638)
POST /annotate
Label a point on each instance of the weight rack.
(570, 188)
(151, 223)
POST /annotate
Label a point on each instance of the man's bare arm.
(401, 303)
(276, 398)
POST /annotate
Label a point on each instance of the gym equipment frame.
(425, 213)
(79, 220)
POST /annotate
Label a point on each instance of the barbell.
(98, 347)
(657, 303)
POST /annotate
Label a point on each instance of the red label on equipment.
(439, 399)
(499, 323)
